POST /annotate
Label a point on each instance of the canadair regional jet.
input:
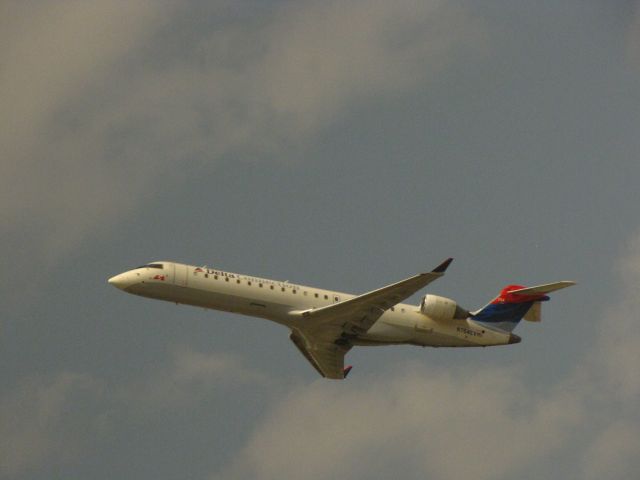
(325, 324)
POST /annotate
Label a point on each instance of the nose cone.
(514, 338)
(120, 281)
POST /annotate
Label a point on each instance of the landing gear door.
(180, 275)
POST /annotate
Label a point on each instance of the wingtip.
(443, 266)
(346, 371)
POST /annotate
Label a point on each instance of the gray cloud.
(96, 118)
(489, 421)
(619, 341)
(191, 378)
(613, 452)
(323, 57)
(106, 105)
(446, 424)
(633, 36)
(42, 421)
(51, 420)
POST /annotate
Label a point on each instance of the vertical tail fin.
(514, 303)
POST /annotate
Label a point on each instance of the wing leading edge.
(323, 337)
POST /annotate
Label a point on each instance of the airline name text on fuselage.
(235, 276)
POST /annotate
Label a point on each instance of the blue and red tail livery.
(508, 308)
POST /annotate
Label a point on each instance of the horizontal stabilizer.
(542, 289)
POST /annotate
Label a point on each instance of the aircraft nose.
(514, 338)
(119, 281)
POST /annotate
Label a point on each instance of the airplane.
(326, 324)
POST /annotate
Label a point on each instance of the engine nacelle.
(442, 308)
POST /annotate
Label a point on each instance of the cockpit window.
(152, 265)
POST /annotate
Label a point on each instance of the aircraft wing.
(326, 357)
(357, 315)
(324, 333)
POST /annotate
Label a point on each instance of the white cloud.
(437, 424)
(485, 422)
(96, 111)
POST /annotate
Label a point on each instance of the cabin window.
(215, 277)
(238, 281)
(326, 297)
(206, 275)
(316, 295)
(283, 289)
(260, 285)
(337, 299)
(294, 291)
(249, 283)
(226, 279)
(271, 287)
(305, 293)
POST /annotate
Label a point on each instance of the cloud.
(424, 423)
(613, 453)
(442, 423)
(103, 100)
(61, 175)
(323, 57)
(633, 37)
(55, 419)
(190, 378)
(56, 53)
(483, 422)
(37, 425)
(618, 351)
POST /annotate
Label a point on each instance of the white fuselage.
(277, 301)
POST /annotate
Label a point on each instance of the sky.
(340, 144)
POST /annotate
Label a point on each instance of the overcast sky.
(341, 144)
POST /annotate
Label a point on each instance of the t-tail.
(514, 303)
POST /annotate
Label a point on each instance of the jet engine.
(442, 309)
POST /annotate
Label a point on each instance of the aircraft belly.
(416, 329)
(383, 332)
(461, 333)
(439, 339)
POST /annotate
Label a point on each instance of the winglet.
(443, 266)
(347, 370)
